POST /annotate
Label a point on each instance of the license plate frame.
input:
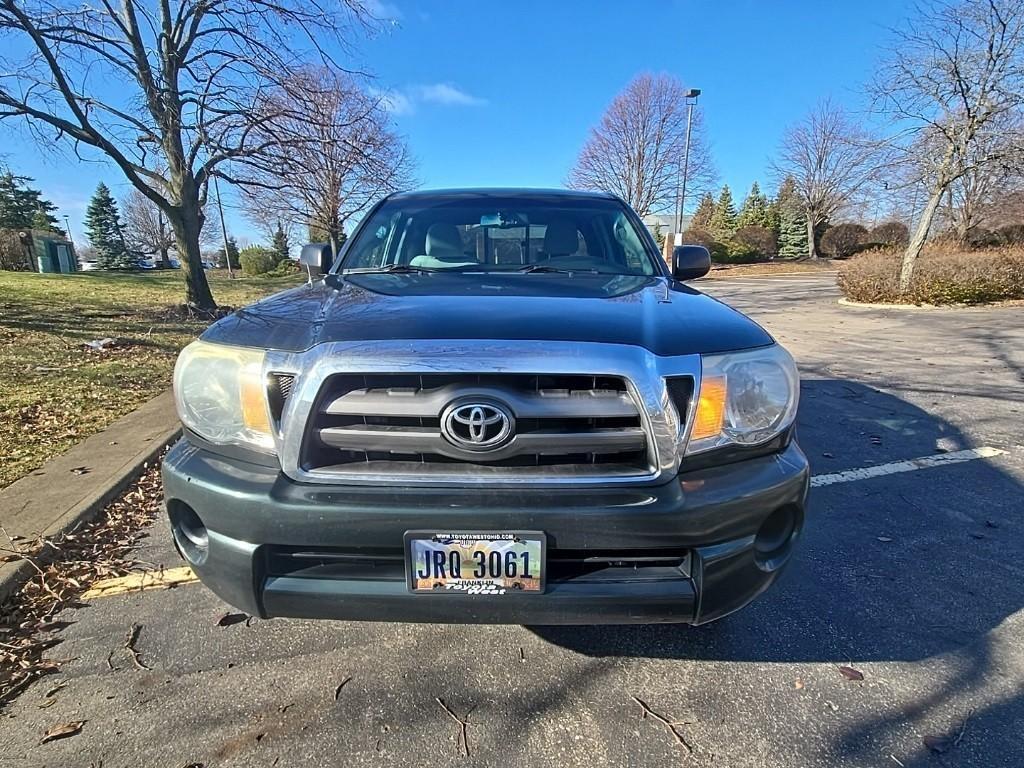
(485, 586)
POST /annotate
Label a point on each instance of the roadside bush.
(759, 240)
(1011, 234)
(943, 275)
(843, 240)
(257, 260)
(735, 249)
(891, 234)
(703, 237)
(979, 237)
(284, 268)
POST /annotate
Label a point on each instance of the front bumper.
(733, 528)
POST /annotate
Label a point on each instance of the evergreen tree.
(792, 222)
(103, 228)
(232, 254)
(754, 212)
(658, 237)
(22, 207)
(723, 220)
(705, 210)
(279, 245)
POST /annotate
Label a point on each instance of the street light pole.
(691, 101)
(223, 229)
(71, 239)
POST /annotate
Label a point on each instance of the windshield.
(492, 234)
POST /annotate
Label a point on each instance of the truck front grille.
(397, 424)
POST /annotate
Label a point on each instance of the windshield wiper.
(531, 268)
(545, 268)
(401, 269)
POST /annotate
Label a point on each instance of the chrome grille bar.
(542, 443)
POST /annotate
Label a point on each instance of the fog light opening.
(189, 533)
(774, 541)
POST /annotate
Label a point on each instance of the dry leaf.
(798, 684)
(62, 731)
(850, 673)
(342, 684)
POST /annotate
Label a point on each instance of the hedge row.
(941, 276)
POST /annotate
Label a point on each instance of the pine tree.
(232, 254)
(705, 210)
(723, 220)
(22, 207)
(279, 245)
(792, 222)
(103, 228)
(754, 212)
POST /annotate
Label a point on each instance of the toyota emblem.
(477, 426)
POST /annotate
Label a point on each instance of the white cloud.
(395, 102)
(383, 10)
(447, 94)
(405, 100)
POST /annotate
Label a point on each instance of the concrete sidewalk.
(75, 486)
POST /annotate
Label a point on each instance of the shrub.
(1011, 234)
(979, 237)
(718, 250)
(843, 240)
(256, 260)
(892, 234)
(759, 240)
(284, 268)
(943, 275)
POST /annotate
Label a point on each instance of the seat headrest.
(561, 238)
(444, 241)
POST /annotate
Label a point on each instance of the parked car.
(495, 406)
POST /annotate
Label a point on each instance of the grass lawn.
(54, 392)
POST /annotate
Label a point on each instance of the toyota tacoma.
(493, 406)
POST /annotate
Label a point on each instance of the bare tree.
(636, 151)
(145, 228)
(182, 84)
(332, 155)
(976, 197)
(955, 77)
(831, 161)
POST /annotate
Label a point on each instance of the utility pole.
(223, 229)
(691, 101)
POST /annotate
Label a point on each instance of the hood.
(665, 317)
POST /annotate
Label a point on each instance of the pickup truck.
(493, 406)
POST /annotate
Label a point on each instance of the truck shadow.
(902, 568)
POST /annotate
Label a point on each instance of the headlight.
(745, 398)
(220, 393)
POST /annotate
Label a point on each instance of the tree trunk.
(812, 246)
(165, 259)
(917, 241)
(186, 223)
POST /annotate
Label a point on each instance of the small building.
(52, 252)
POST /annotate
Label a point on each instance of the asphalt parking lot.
(911, 574)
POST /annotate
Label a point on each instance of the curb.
(927, 307)
(774, 275)
(46, 503)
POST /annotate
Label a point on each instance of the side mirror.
(317, 256)
(690, 262)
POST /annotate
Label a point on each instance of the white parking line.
(910, 465)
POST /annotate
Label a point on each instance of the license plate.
(475, 563)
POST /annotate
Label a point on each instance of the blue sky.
(492, 93)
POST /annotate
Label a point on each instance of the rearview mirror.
(317, 256)
(690, 262)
